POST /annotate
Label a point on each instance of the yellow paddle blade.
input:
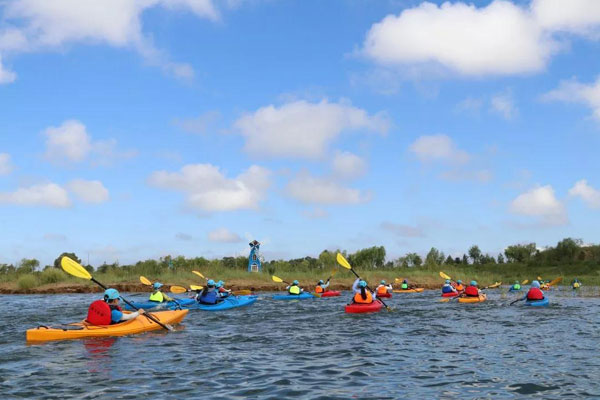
(242, 292)
(333, 272)
(177, 289)
(525, 282)
(342, 261)
(196, 287)
(145, 280)
(74, 268)
(445, 300)
(443, 275)
(539, 278)
(495, 285)
(316, 294)
(276, 279)
(199, 274)
(555, 281)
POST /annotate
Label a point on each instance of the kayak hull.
(357, 308)
(451, 294)
(385, 295)
(514, 290)
(538, 303)
(301, 296)
(415, 290)
(330, 293)
(479, 299)
(166, 305)
(79, 330)
(227, 304)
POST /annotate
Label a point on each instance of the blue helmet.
(447, 281)
(459, 281)
(111, 294)
(157, 285)
(210, 282)
(362, 283)
(321, 281)
(382, 282)
(219, 284)
(473, 283)
(535, 284)
(295, 282)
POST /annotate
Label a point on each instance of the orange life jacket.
(319, 289)
(359, 299)
(382, 290)
(459, 288)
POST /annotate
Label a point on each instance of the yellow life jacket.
(294, 289)
(358, 298)
(576, 284)
(157, 296)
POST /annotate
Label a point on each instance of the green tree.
(28, 265)
(567, 249)
(520, 252)
(475, 254)
(72, 256)
(327, 259)
(434, 257)
(500, 259)
(465, 259)
(449, 260)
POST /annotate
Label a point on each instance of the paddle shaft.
(382, 302)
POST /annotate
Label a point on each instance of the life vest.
(460, 288)
(208, 297)
(99, 313)
(157, 296)
(381, 290)
(535, 294)
(294, 290)
(358, 298)
(319, 289)
(447, 289)
(516, 286)
(472, 291)
(404, 286)
(576, 285)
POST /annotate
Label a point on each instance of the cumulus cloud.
(540, 202)
(504, 104)
(67, 142)
(587, 193)
(6, 76)
(208, 189)
(438, 148)
(501, 38)
(576, 92)
(6, 166)
(302, 129)
(49, 194)
(315, 190)
(224, 235)
(457, 175)
(92, 192)
(347, 165)
(403, 230)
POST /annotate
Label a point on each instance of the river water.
(311, 349)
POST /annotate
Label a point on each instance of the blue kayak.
(300, 296)
(149, 305)
(538, 303)
(514, 290)
(226, 304)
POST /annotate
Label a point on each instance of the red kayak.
(330, 293)
(385, 295)
(451, 294)
(364, 308)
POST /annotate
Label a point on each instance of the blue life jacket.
(209, 297)
(447, 289)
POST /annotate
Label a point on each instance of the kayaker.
(361, 293)
(459, 286)
(107, 311)
(221, 289)
(576, 284)
(516, 286)
(448, 288)
(157, 295)
(405, 285)
(294, 288)
(321, 286)
(209, 295)
(383, 289)
(534, 293)
(472, 290)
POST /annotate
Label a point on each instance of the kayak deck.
(357, 308)
(480, 299)
(415, 290)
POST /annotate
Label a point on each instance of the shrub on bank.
(52, 275)
(28, 281)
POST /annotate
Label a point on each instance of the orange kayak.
(480, 299)
(83, 329)
(415, 290)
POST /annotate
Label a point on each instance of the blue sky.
(188, 127)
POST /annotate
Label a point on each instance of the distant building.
(254, 264)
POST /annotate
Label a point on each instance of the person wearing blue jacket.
(210, 294)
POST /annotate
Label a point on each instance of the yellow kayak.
(83, 329)
(480, 299)
(416, 290)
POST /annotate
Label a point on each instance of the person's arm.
(127, 317)
(355, 285)
(325, 286)
(167, 298)
(287, 288)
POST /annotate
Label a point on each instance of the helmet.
(156, 285)
(516, 282)
(405, 281)
(535, 284)
(111, 294)
(382, 282)
(362, 283)
(210, 282)
(459, 281)
(473, 283)
(448, 281)
(321, 281)
(219, 284)
(295, 282)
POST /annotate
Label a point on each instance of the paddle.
(344, 263)
(74, 268)
(199, 274)
(279, 280)
(555, 281)
(493, 285)
(145, 281)
(517, 300)
(525, 282)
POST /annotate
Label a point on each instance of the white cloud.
(6, 76)
(92, 192)
(587, 193)
(403, 230)
(67, 142)
(50, 194)
(303, 129)
(470, 104)
(438, 148)
(456, 175)
(207, 188)
(224, 235)
(312, 190)
(6, 166)
(106, 152)
(580, 16)
(348, 165)
(540, 202)
(503, 104)
(573, 91)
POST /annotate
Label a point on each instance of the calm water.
(310, 349)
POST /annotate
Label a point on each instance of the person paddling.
(515, 287)
(382, 289)
(472, 290)
(448, 288)
(108, 311)
(576, 284)
(534, 293)
(405, 285)
(459, 286)
(209, 294)
(220, 286)
(294, 288)
(157, 295)
(362, 295)
(321, 286)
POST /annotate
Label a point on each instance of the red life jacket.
(472, 291)
(535, 294)
(99, 313)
